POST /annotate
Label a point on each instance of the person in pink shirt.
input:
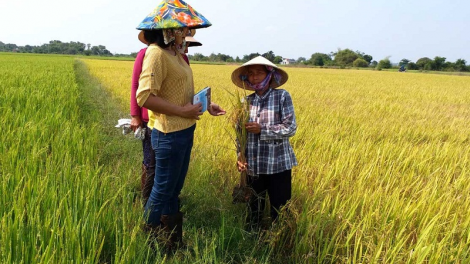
(140, 118)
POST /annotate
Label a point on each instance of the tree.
(277, 60)
(439, 63)
(460, 65)
(95, 51)
(360, 63)
(403, 62)
(411, 66)
(301, 60)
(364, 56)
(374, 64)
(199, 57)
(58, 47)
(384, 64)
(319, 59)
(448, 66)
(269, 56)
(429, 66)
(367, 58)
(346, 57)
(422, 62)
(250, 56)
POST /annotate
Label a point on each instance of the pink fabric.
(185, 58)
(135, 109)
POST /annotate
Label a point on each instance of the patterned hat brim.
(172, 14)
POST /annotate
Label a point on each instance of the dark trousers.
(279, 189)
(148, 164)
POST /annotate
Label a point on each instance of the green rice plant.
(239, 116)
(382, 176)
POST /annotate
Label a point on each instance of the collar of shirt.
(266, 94)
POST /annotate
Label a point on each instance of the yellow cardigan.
(170, 78)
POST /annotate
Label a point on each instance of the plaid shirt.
(270, 151)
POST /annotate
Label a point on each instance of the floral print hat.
(173, 14)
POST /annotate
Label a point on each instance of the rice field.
(383, 173)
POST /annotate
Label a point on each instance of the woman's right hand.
(136, 122)
(192, 111)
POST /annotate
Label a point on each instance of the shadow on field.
(119, 159)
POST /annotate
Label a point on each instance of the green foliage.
(439, 63)
(198, 57)
(423, 61)
(220, 57)
(364, 56)
(58, 47)
(460, 65)
(367, 58)
(411, 66)
(319, 59)
(429, 66)
(403, 62)
(250, 56)
(68, 178)
(277, 60)
(60, 188)
(346, 57)
(384, 64)
(301, 60)
(360, 63)
(269, 55)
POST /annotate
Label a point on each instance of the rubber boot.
(179, 229)
(173, 231)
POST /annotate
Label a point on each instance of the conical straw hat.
(192, 42)
(257, 61)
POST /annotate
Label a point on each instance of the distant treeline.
(343, 58)
(59, 47)
(346, 58)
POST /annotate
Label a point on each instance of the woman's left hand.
(215, 110)
(253, 127)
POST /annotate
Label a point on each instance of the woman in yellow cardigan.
(166, 88)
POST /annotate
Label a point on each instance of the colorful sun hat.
(239, 73)
(171, 14)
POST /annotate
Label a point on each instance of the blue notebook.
(204, 97)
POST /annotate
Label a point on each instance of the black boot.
(173, 231)
(179, 229)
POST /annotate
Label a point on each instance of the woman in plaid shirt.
(269, 155)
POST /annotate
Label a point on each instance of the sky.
(397, 29)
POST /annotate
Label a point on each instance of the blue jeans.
(172, 154)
